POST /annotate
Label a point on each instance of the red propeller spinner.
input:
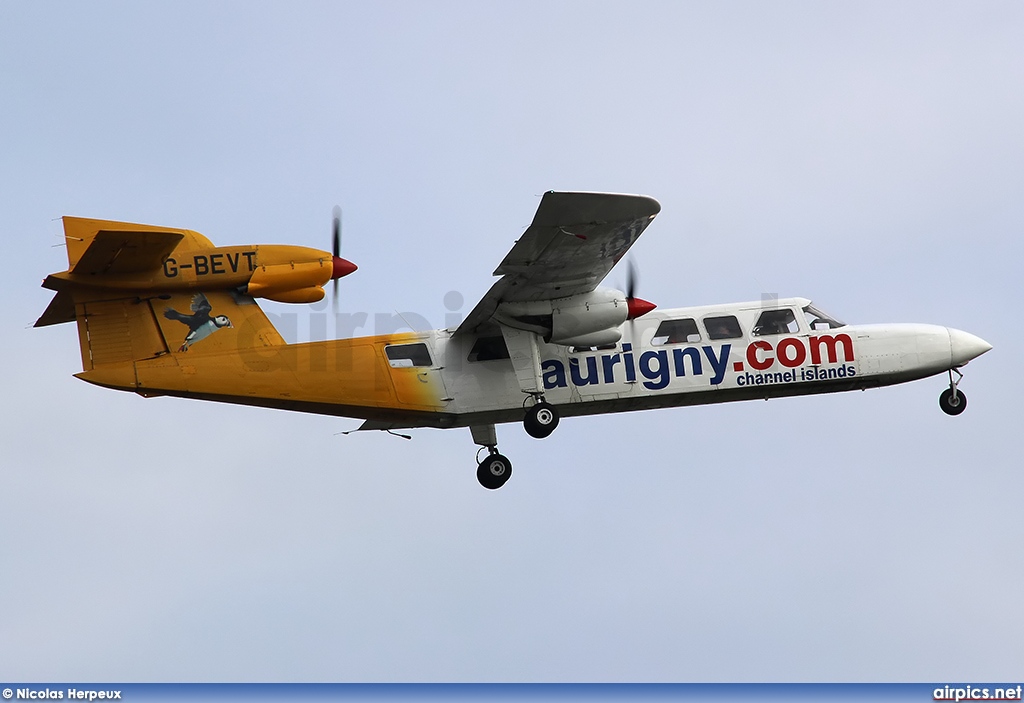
(342, 267)
(636, 307)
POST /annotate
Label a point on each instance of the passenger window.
(776, 322)
(489, 349)
(682, 331)
(724, 327)
(407, 355)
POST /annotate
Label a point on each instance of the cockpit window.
(781, 321)
(677, 332)
(817, 320)
(407, 355)
(725, 327)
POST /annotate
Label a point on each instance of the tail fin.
(132, 329)
(108, 248)
(114, 334)
(120, 326)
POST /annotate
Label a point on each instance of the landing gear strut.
(541, 419)
(952, 400)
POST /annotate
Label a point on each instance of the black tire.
(541, 420)
(951, 406)
(494, 471)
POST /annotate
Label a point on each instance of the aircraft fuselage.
(443, 383)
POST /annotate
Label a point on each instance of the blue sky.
(866, 155)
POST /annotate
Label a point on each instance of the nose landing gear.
(952, 400)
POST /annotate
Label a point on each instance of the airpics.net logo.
(317, 322)
(977, 693)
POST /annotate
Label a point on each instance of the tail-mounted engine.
(131, 257)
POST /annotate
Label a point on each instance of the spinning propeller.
(637, 307)
(342, 267)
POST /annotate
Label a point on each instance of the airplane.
(162, 312)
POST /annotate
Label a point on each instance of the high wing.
(574, 241)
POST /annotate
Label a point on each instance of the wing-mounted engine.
(588, 319)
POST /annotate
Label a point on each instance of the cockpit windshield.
(817, 320)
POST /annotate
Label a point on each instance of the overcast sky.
(867, 155)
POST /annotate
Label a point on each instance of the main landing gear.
(541, 419)
(495, 470)
(952, 400)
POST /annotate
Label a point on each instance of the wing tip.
(572, 207)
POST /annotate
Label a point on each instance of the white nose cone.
(964, 346)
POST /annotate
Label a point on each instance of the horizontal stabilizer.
(126, 252)
(61, 309)
(107, 246)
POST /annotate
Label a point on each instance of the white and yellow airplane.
(161, 311)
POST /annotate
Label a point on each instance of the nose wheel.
(952, 400)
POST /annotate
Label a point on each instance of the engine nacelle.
(600, 311)
(291, 282)
(311, 294)
(594, 339)
(146, 261)
(587, 319)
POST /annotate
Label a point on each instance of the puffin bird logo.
(200, 324)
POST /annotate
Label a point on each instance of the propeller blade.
(636, 307)
(340, 267)
(336, 230)
(335, 251)
(631, 279)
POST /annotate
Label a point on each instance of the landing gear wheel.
(541, 420)
(494, 471)
(952, 404)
